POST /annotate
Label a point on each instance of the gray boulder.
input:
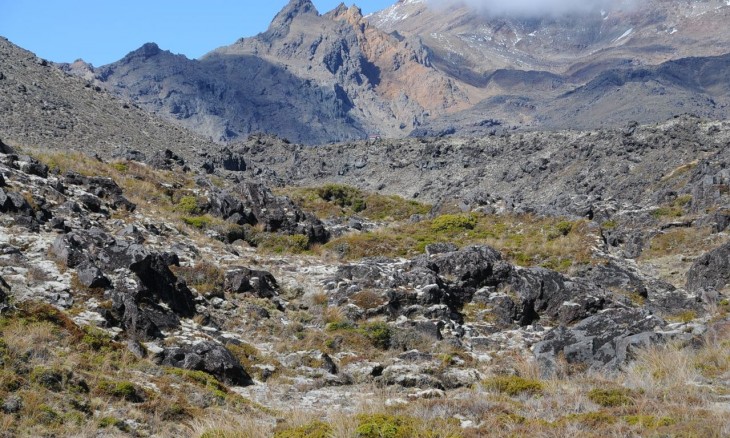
(91, 276)
(599, 342)
(211, 358)
(710, 273)
(260, 283)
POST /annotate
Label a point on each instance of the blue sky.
(101, 31)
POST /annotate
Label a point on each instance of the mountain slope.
(41, 106)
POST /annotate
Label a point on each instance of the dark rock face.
(548, 293)
(226, 159)
(260, 283)
(255, 204)
(139, 309)
(710, 273)
(210, 357)
(602, 341)
(4, 291)
(91, 276)
(165, 160)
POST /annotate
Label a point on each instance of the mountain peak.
(293, 9)
(146, 51)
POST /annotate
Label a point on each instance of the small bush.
(649, 421)
(96, 338)
(514, 385)
(315, 429)
(105, 422)
(448, 223)
(121, 390)
(384, 426)
(342, 195)
(188, 205)
(281, 243)
(199, 222)
(120, 167)
(609, 398)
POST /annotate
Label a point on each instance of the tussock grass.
(337, 200)
(525, 240)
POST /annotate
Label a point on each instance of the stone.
(260, 283)
(211, 358)
(91, 276)
(31, 166)
(91, 202)
(710, 274)
(599, 342)
(2, 180)
(157, 282)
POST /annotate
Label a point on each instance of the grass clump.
(610, 398)
(280, 243)
(514, 385)
(377, 333)
(315, 429)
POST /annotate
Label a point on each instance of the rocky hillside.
(41, 106)
(422, 70)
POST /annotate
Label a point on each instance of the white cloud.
(536, 8)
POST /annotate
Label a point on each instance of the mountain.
(418, 69)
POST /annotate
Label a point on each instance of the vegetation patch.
(524, 239)
(337, 200)
(614, 397)
(514, 385)
(315, 429)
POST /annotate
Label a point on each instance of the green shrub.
(384, 426)
(609, 398)
(281, 243)
(198, 221)
(188, 205)
(120, 167)
(342, 195)
(448, 223)
(49, 378)
(649, 421)
(220, 433)
(378, 333)
(96, 338)
(105, 422)
(514, 385)
(315, 429)
(121, 390)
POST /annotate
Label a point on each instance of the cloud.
(536, 8)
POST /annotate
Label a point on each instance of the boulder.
(599, 342)
(5, 149)
(211, 358)
(158, 283)
(709, 275)
(545, 293)
(260, 283)
(2, 180)
(165, 160)
(31, 166)
(4, 292)
(141, 319)
(91, 276)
